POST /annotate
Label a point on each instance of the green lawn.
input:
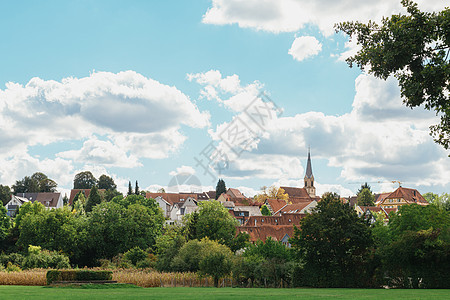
(36, 292)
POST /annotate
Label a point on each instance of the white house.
(13, 205)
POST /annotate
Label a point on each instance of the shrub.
(14, 258)
(12, 268)
(77, 275)
(45, 259)
(134, 255)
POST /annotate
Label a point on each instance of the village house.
(49, 200)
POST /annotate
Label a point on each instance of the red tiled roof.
(294, 208)
(284, 219)
(235, 193)
(276, 232)
(296, 192)
(409, 195)
(172, 198)
(276, 204)
(381, 197)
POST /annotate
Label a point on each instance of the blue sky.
(137, 89)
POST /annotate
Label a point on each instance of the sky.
(177, 94)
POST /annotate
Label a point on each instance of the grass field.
(36, 292)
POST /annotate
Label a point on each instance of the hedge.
(77, 275)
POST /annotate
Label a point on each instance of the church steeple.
(309, 177)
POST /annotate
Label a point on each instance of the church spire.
(309, 173)
(309, 177)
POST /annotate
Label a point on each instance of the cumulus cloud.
(292, 15)
(138, 116)
(305, 47)
(378, 139)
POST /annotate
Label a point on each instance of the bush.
(12, 268)
(46, 259)
(135, 255)
(77, 275)
(14, 258)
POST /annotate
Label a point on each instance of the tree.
(333, 244)
(415, 49)
(214, 222)
(220, 188)
(366, 198)
(93, 199)
(130, 189)
(272, 193)
(265, 211)
(216, 264)
(84, 180)
(168, 245)
(36, 183)
(364, 186)
(440, 201)
(136, 189)
(5, 223)
(66, 199)
(77, 197)
(5, 194)
(106, 183)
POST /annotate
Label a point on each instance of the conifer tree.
(220, 188)
(93, 199)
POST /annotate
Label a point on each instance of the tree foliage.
(84, 180)
(5, 223)
(105, 182)
(93, 199)
(36, 183)
(5, 194)
(333, 243)
(272, 193)
(415, 49)
(366, 198)
(220, 188)
(265, 211)
(441, 201)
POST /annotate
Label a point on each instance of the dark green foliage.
(136, 189)
(77, 196)
(84, 180)
(130, 189)
(217, 265)
(93, 199)
(265, 211)
(106, 183)
(168, 245)
(5, 224)
(65, 199)
(5, 194)
(366, 198)
(38, 182)
(110, 194)
(414, 48)
(364, 186)
(441, 201)
(135, 255)
(220, 188)
(77, 275)
(333, 243)
(46, 259)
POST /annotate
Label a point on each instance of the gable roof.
(295, 192)
(284, 219)
(22, 200)
(409, 195)
(275, 204)
(47, 199)
(235, 193)
(380, 197)
(294, 208)
(171, 198)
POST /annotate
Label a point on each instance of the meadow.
(38, 292)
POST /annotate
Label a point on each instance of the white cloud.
(380, 139)
(292, 15)
(183, 170)
(138, 116)
(305, 47)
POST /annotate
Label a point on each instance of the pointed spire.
(309, 173)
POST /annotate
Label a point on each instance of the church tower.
(309, 178)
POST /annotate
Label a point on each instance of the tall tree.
(5, 223)
(364, 186)
(136, 188)
(84, 180)
(36, 183)
(272, 192)
(366, 198)
(220, 188)
(332, 242)
(93, 199)
(105, 182)
(130, 189)
(5, 194)
(415, 49)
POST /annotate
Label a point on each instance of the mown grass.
(35, 292)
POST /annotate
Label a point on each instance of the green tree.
(135, 255)
(136, 189)
(265, 211)
(364, 186)
(105, 182)
(79, 206)
(220, 188)
(216, 264)
(168, 245)
(414, 48)
(214, 222)
(45, 184)
(66, 199)
(93, 199)
(130, 189)
(84, 180)
(5, 194)
(5, 223)
(332, 242)
(36, 183)
(440, 201)
(366, 198)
